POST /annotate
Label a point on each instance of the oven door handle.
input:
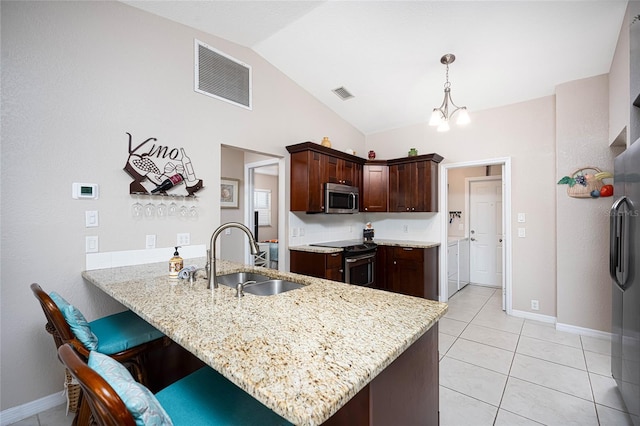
(358, 258)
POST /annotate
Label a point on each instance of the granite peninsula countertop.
(303, 353)
(382, 242)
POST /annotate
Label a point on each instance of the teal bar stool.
(124, 336)
(202, 398)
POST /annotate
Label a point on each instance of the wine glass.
(193, 212)
(172, 210)
(137, 210)
(184, 210)
(162, 210)
(149, 210)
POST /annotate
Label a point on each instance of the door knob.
(500, 240)
(473, 232)
(473, 239)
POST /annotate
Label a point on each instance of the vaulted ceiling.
(387, 53)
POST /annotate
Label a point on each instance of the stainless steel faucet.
(213, 282)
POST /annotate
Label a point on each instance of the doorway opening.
(260, 190)
(456, 225)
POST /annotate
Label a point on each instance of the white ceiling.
(387, 53)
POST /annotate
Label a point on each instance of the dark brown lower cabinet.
(405, 393)
(408, 270)
(319, 265)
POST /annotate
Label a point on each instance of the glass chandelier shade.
(440, 116)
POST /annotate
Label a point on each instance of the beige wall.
(526, 133)
(231, 246)
(584, 289)
(75, 77)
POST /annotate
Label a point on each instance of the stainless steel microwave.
(340, 198)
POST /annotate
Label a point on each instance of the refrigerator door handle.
(617, 248)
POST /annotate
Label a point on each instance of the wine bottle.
(188, 167)
(168, 183)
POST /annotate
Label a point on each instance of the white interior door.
(485, 223)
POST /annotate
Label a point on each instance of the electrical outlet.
(227, 231)
(184, 239)
(302, 232)
(535, 305)
(91, 244)
(405, 228)
(150, 242)
(294, 232)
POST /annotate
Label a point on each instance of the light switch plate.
(521, 218)
(522, 233)
(91, 244)
(91, 219)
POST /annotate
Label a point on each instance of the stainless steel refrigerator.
(624, 268)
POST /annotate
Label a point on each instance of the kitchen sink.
(231, 280)
(263, 285)
(271, 287)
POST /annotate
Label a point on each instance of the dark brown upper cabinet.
(413, 183)
(313, 165)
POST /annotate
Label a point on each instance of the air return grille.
(342, 93)
(221, 76)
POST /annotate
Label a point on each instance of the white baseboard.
(21, 412)
(532, 316)
(583, 331)
(567, 328)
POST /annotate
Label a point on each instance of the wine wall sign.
(160, 169)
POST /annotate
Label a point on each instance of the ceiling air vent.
(220, 76)
(342, 93)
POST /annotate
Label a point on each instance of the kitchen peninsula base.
(405, 393)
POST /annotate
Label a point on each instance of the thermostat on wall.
(85, 191)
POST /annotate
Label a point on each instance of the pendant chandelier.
(440, 116)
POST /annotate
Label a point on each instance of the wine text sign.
(159, 168)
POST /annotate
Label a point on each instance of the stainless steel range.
(359, 260)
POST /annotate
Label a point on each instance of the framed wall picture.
(229, 193)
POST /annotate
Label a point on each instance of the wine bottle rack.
(149, 158)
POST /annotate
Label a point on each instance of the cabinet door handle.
(335, 254)
(407, 248)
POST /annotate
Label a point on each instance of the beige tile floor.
(501, 370)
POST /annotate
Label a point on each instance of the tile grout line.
(595, 404)
(467, 325)
(504, 390)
